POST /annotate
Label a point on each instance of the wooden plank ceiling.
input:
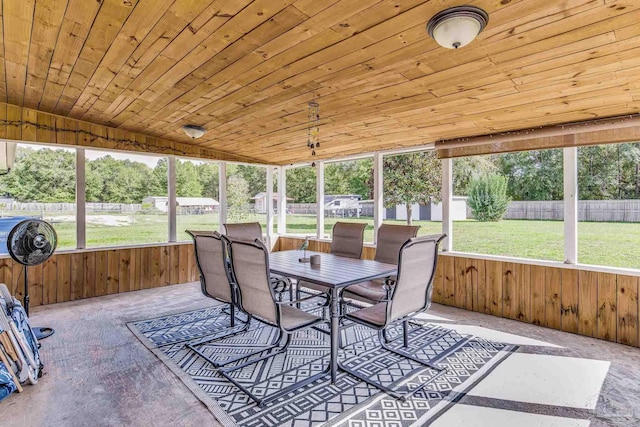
(246, 70)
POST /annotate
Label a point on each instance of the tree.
(533, 175)
(42, 175)
(237, 196)
(466, 169)
(255, 177)
(412, 178)
(488, 197)
(209, 178)
(187, 183)
(301, 184)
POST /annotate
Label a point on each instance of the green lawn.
(608, 244)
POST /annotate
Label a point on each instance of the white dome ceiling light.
(456, 27)
(193, 131)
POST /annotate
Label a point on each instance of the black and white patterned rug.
(349, 402)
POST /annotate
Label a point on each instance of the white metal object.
(81, 199)
(570, 160)
(320, 200)
(171, 179)
(447, 201)
(269, 207)
(222, 191)
(378, 194)
(282, 200)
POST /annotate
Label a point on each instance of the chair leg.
(431, 364)
(405, 333)
(260, 401)
(192, 346)
(233, 314)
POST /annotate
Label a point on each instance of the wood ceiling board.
(17, 20)
(247, 69)
(3, 82)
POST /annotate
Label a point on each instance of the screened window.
(197, 198)
(127, 199)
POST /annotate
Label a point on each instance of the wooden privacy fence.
(588, 210)
(91, 273)
(576, 300)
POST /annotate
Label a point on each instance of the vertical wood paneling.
(101, 268)
(509, 291)
(136, 262)
(627, 315)
(89, 275)
(124, 270)
(479, 285)
(438, 285)
(538, 295)
(493, 282)
(50, 281)
(587, 302)
(460, 285)
(113, 271)
(77, 277)
(553, 298)
(174, 267)
(449, 272)
(607, 322)
(64, 278)
(35, 284)
(570, 301)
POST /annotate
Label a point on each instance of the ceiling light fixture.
(193, 131)
(457, 26)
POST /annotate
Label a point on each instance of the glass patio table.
(335, 273)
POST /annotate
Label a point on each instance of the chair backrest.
(347, 238)
(245, 231)
(211, 256)
(390, 240)
(250, 267)
(416, 268)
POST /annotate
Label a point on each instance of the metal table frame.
(335, 273)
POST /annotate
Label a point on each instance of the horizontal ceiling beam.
(24, 124)
(608, 131)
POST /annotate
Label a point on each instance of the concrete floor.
(97, 373)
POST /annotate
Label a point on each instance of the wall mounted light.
(457, 26)
(193, 131)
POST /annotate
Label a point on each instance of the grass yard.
(608, 244)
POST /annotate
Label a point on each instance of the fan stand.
(41, 332)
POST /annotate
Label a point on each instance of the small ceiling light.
(193, 131)
(457, 26)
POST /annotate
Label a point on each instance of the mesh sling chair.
(347, 238)
(390, 240)
(409, 296)
(250, 269)
(249, 232)
(215, 281)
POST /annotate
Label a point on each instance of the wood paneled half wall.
(96, 272)
(572, 299)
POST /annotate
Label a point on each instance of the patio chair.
(215, 279)
(248, 232)
(347, 238)
(409, 296)
(390, 240)
(250, 269)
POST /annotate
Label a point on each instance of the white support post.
(378, 196)
(269, 204)
(222, 191)
(320, 200)
(282, 200)
(447, 200)
(570, 159)
(173, 215)
(81, 198)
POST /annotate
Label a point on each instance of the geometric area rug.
(349, 402)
